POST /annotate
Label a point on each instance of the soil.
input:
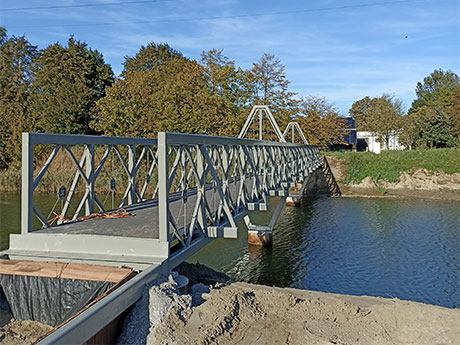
(247, 314)
(23, 332)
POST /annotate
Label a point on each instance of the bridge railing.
(201, 184)
(88, 174)
(219, 178)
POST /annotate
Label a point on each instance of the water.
(408, 249)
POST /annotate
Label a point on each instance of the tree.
(67, 83)
(360, 111)
(149, 57)
(271, 88)
(321, 122)
(174, 97)
(381, 115)
(454, 115)
(440, 92)
(436, 88)
(16, 56)
(231, 85)
(427, 127)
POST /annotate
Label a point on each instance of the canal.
(408, 249)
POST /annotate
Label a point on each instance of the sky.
(341, 50)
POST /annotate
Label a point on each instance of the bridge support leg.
(262, 235)
(295, 195)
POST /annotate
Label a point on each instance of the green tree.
(67, 83)
(436, 89)
(16, 55)
(440, 92)
(271, 88)
(380, 115)
(454, 115)
(427, 127)
(320, 122)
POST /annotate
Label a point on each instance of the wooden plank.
(65, 270)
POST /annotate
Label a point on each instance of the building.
(368, 141)
(349, 136)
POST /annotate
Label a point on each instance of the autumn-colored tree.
(173, 97)
(16, 55)
(149, 57)
(272, 88)
(360, 112)
(230, 85)
(380, 115)
(321, 122)
(67, 83)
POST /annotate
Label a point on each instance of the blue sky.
(342, 50)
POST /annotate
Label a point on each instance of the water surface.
(409, 249)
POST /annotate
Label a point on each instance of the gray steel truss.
(193, 187)
(293, 128)
(259, 113)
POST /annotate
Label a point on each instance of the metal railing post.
(131, 162)
(200, 166)
(89, 171)
(27, 183)
(163, 187)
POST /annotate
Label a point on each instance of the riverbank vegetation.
(388, 165)
(432, 121)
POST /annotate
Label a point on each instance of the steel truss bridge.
(179, 191)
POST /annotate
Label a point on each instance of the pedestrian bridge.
(140, 201)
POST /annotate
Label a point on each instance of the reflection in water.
(394, 248)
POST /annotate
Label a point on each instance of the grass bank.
(388, 165)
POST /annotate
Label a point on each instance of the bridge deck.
(134, 239)
(144, 222)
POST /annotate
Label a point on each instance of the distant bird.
(406, 36)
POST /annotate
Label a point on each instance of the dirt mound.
(250, 314)
(22, 332)
(338, 167)
(422, 179)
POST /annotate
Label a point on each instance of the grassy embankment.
(388, 165)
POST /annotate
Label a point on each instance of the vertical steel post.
(27, 183)
(163, 187)
(260, 124)
(89, 171)
(200, 167)
(131, 159)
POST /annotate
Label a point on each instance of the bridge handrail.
(199, 139)
(264, 166)
(83, 139)
(173, 139)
